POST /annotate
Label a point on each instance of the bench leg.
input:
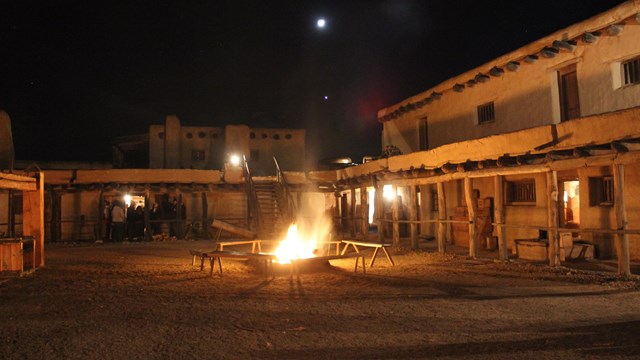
(388, 256)
(202, 257)
(344, 249)
(364, 267)
(373, 258)
(211, 265)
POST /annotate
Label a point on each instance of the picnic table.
(376, 247)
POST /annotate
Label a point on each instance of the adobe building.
(535, 152)
(188, 165)
(173, 146)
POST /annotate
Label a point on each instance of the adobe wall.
(524, 98)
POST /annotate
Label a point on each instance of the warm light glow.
(387, 192)
(372, 203)
(293, 247)
(127, 199)
(234, 160)
(321, 23)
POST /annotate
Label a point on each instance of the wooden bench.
(255, 244)
(377, 247)
(328, 244)
(214, 255)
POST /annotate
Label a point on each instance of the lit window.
(631, 72)
(486, 113)
(521, 192)
(601, 191)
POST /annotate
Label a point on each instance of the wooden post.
(472, 208)
(379, 211)
(101, 225)
(413, 216)
(442, 216)
(498, 212)
(622, 240)
(147, 217)
(33, 219)
(11, 215)
(179, 215)
(395, 217)
(337, 218)
(426, 202)
(552, 218)
(205, 213)
(364, 212)
(352, 212)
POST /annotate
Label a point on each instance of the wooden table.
(376, 246)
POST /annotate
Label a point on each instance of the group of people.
(127, 221)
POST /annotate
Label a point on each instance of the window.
(521, 192)
(601, 191)
(486, 113)
(197, 155)
(631, 72)
(434, 201)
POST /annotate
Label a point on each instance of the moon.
(321, 23)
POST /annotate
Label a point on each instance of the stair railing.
(252, 198)
(290, 205)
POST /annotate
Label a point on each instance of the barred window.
(631, 72)
(521, 192)
(486, 113)
(601, 191)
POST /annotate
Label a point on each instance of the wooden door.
(569, 99)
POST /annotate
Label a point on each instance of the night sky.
(76, 74)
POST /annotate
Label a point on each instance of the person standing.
(117, 220)
(106, 218)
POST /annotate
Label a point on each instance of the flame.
(293, 247)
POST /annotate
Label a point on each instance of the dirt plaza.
(146, 301)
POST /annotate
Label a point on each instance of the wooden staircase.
(273, 216)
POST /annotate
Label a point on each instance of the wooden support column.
(205, 212)
(442, 216)
(11, 215)
(379, 211)
(552, 218)
(621, 240)
(426, 201)
(101, 220)
(33, 219)
(352, 214)
(337, 219)
(395, 212)
(364, 212)
(472, 208)
(179, 215)
(147, 217)
(413, 216)
(503, 249)
(498, 213)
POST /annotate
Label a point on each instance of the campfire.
(296, 246)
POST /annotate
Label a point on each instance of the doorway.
(570, 214)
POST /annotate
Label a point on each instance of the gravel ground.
(146, 301)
